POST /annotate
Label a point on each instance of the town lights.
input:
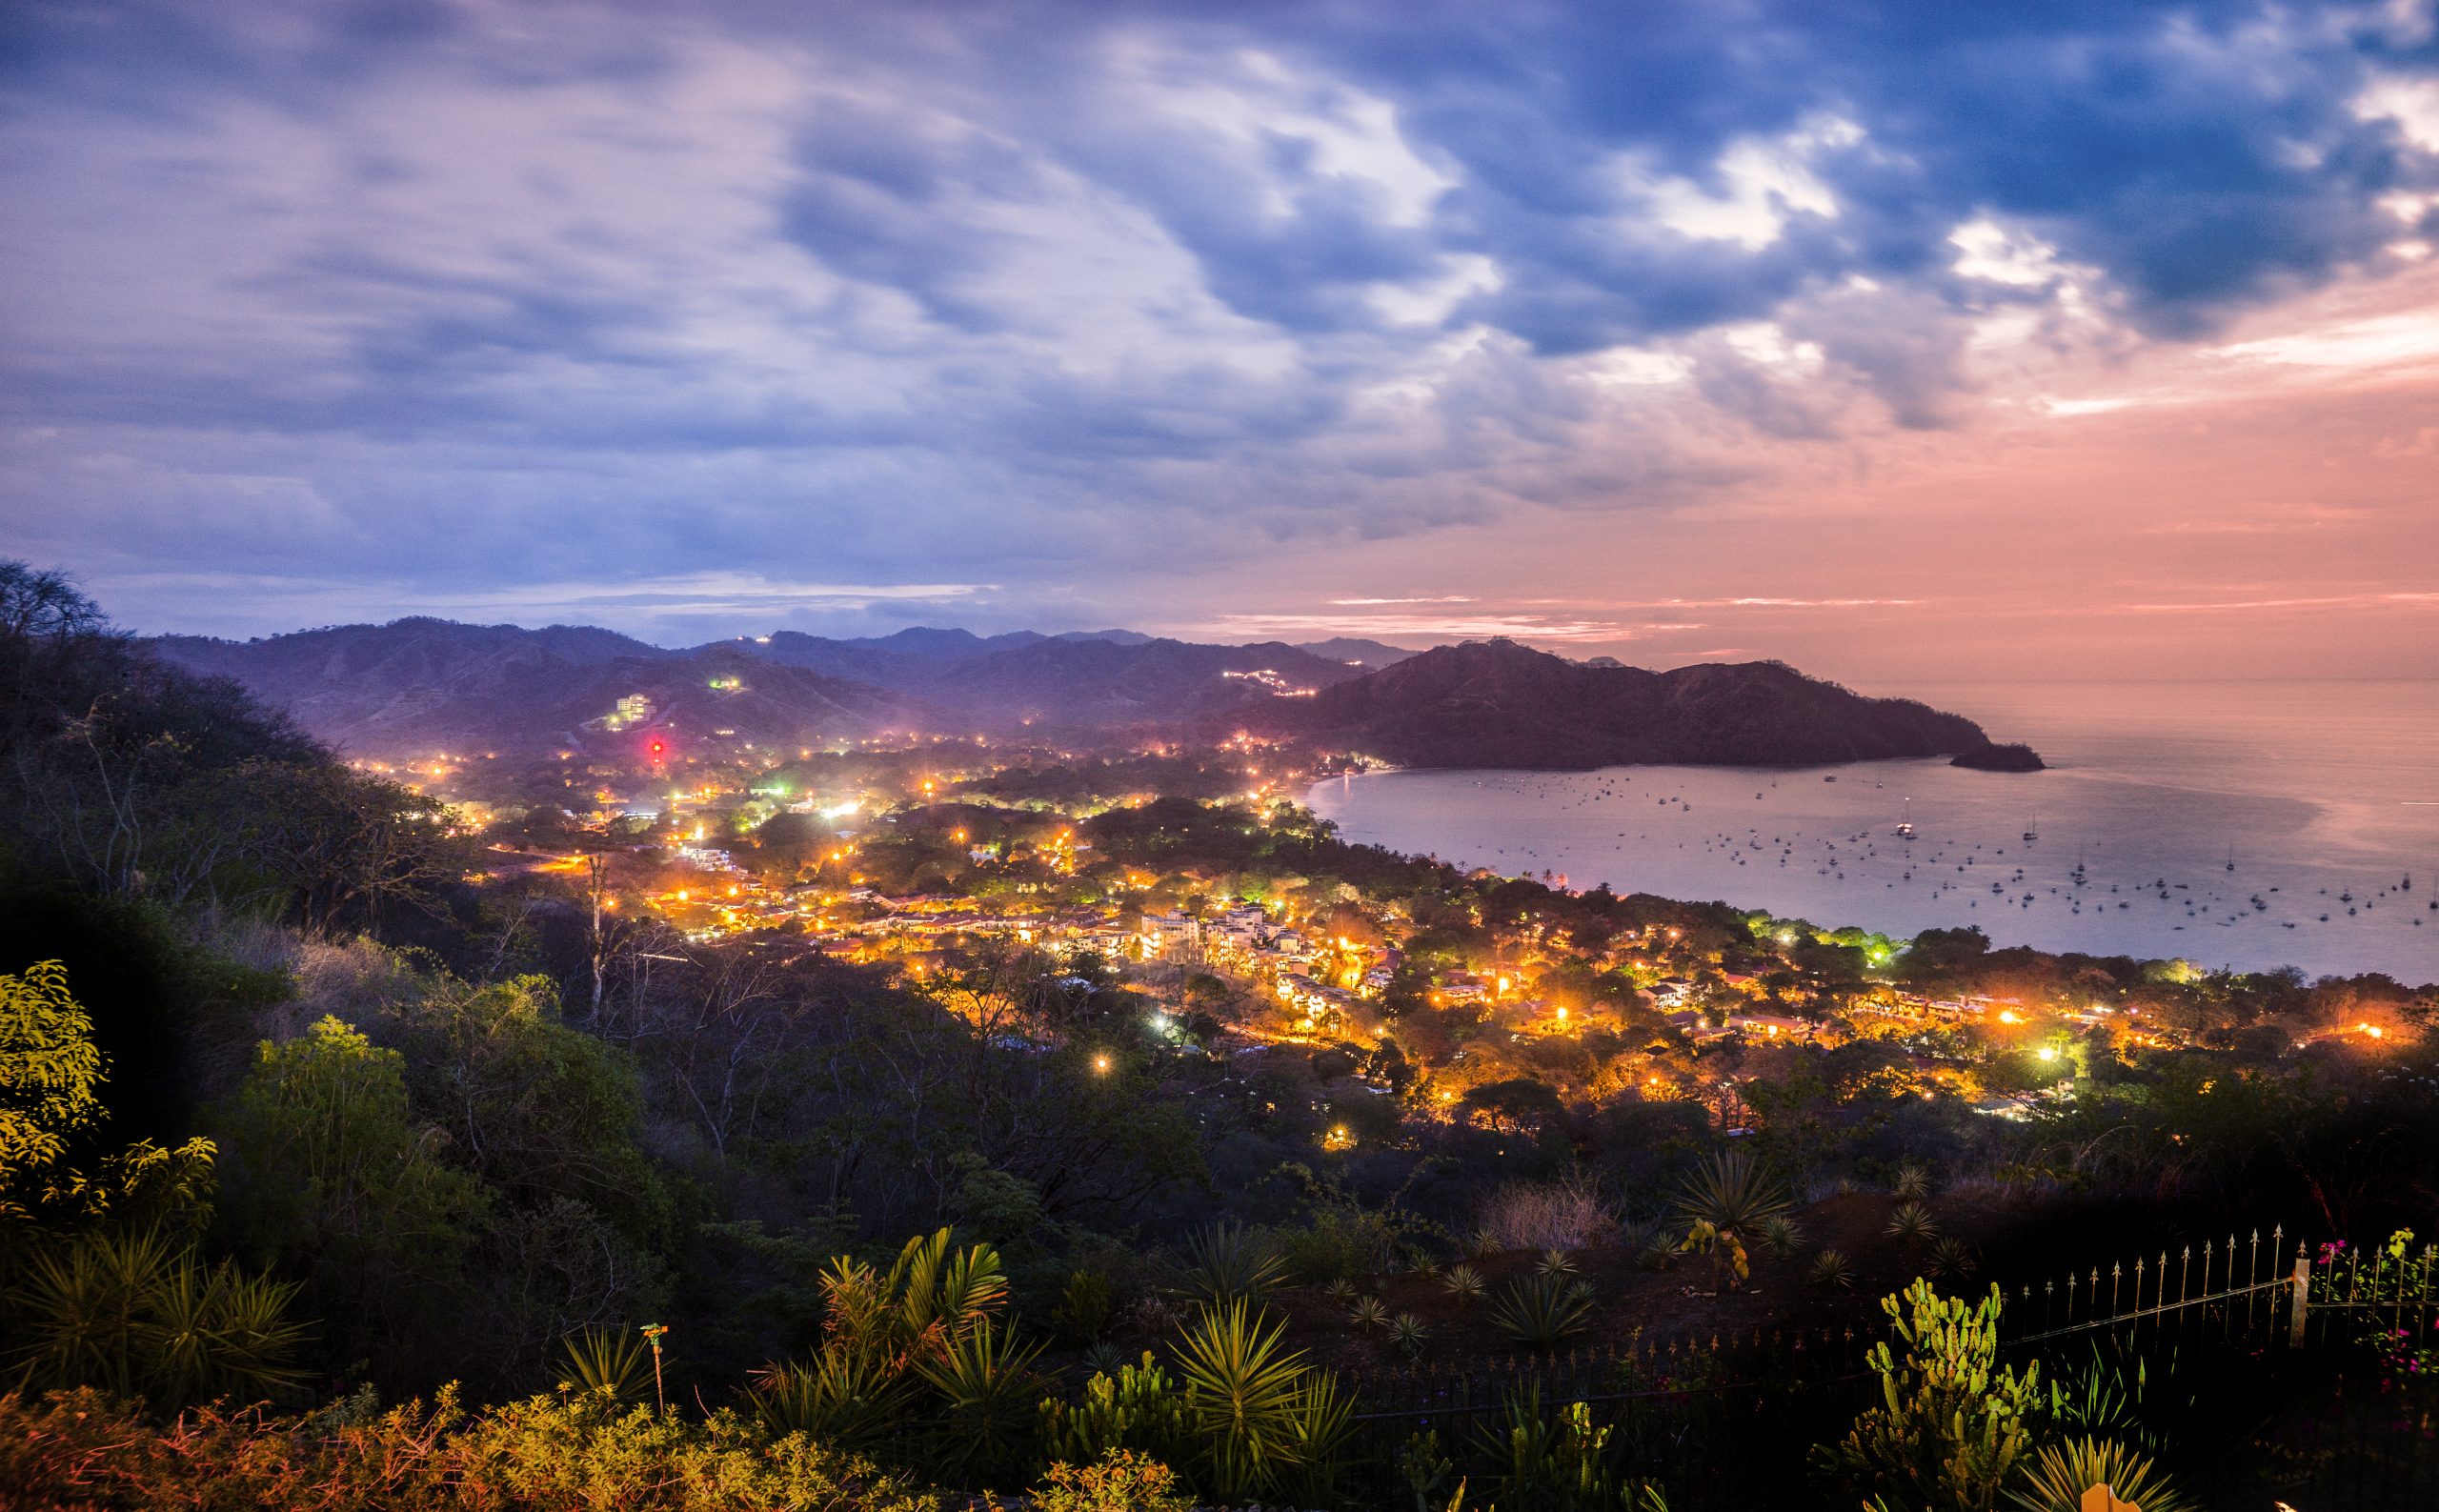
(1100, 1064)
(2048, 1052)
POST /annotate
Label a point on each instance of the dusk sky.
(1929, 341)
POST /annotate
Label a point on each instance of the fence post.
(2303, 1286)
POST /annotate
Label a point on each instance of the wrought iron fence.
(2249, 1290)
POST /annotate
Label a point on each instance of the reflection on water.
(2238, 824)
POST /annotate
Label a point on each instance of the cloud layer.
(1049, 311)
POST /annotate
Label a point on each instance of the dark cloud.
(501, 287)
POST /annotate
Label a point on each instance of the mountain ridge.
(422, 684)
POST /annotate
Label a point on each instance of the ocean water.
(2236, 824)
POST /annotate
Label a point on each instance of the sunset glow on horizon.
(2055, 343)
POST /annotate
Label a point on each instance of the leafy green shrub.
(1538, 1312)
(80, 1449)
(1950, 1428)
(1120, 1481)
(1085, 1306)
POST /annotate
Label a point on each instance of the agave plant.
(1538, 1312)
(1733, 1193)
(1369, 1312)
(1464, 1282)
(2057, 1480)
(1106, 1358)
(1244, 1398)
(1913, 1182)
(1339, 1289)
(1952, 1259)
(1831, 1268)
(1780, 1235)
(1913, 1223)
(1407, 1333)
(1553, 1262)
(1228, 1263)
(1483, 1243)
(612, 1363)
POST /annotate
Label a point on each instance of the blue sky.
(1799, 329)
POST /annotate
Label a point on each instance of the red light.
(657, 748)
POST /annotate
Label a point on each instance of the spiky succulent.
(1913, 1223)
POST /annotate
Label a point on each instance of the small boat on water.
(2032, 831)
(1906, 825)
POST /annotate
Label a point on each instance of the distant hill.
(422, 685)
(1370, 654)
(1104, 682)
(1500, 704)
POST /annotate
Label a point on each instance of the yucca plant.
(1553, 1262)
(1244, 1399)
(1952, 1259)
(1913, 1182)
(612, 1363)
(844, 1399)
(2059, 1476)
(1913, 1223)
(1228, 1263)
(1780, 1235)
(1464, 1282)
(1733, 1193)
(1831, 1268)
(139, 1315)
(1339, 1289)
(1483, 1243)
(1408, 1334)
(1324, 1424)
(1538, 1312)
(988, 1394)
(1369, 1312)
